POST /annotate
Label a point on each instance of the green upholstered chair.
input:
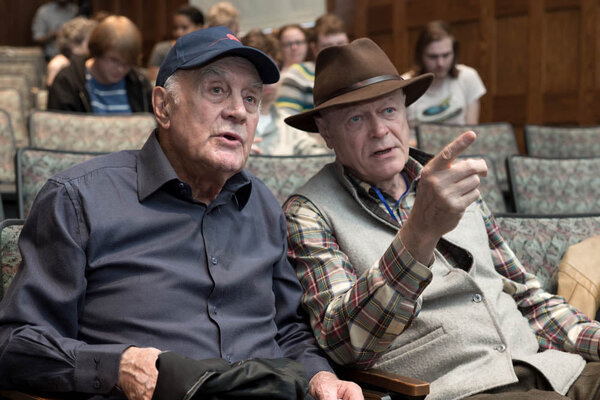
(35, 166)
(495, 140)
(562, 141)
(554, 185)
(540, 241)
(284, 174)
(89, 132)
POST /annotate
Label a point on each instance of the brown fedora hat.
(352, 73)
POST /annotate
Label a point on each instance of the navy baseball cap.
(202, 46)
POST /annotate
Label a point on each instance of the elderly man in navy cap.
(172, 249)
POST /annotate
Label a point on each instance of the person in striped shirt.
(107, 82)
(402, 264)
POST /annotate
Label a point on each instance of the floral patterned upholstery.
(7, 151)
(10, 229)
(31, 54)
(496, 140)
(89, 132)
(561, 141)
(35, 166)
(555, 185)
(41, 99)
(490, 188)
(27, 68)
(284, 174)
(540, 242)
(11, 101)
(19, 82)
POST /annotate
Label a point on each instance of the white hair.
(172, 87)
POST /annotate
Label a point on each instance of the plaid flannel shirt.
(355, 318)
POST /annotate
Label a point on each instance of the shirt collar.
(412, 170)
(154, 170)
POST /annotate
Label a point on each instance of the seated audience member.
(453, 97)
(48, 20)
(185, 20)
(296, 92)
(293, 41)
(108, 82)
(127, 258)
(273, 136)
(226, 14)
(402, 264)
(72, 39)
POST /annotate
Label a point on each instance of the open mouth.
(382, 152)
(232, 138)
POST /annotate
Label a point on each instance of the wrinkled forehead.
(230, 67)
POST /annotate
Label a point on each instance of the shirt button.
(500, 348)
(97, 384)
(214, 260)
(477, 298)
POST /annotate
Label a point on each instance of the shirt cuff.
(403, 272)
(97, 368)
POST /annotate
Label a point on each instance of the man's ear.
(323, 129)
(161, 106)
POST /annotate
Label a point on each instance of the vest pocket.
(408, 350)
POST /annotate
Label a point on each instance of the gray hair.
(172, 87)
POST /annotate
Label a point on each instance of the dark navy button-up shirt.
(117, 253)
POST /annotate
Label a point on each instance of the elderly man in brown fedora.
(401, 261)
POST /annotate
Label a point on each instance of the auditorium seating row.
(564, 184)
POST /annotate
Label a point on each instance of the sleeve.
(472, 83)
(296, 91)
(63, 95)
(354, 318)
(39, 28)
(557, 325)
(159, 53)
(297, 142)
(39, 346)
(294, 335)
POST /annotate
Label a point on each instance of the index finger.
(446, 157)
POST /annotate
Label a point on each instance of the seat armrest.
(376, 379)
(16, 395)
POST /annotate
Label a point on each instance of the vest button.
(477, 298)
(500, 348)
(214, 260)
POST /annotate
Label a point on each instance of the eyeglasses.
(114, 62)
(296, 43)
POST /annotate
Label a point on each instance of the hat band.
(361, 84)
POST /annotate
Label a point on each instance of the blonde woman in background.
(72, 39)
(226, 14)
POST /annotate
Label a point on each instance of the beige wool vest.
(469, 331)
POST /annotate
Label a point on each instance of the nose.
(378, 128)
(235, 109)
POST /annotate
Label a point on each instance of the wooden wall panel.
(561, 51)
(467, 34)
(16, 17)
(511, 48)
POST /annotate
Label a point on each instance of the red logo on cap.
(232, 37)
(229, 36)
